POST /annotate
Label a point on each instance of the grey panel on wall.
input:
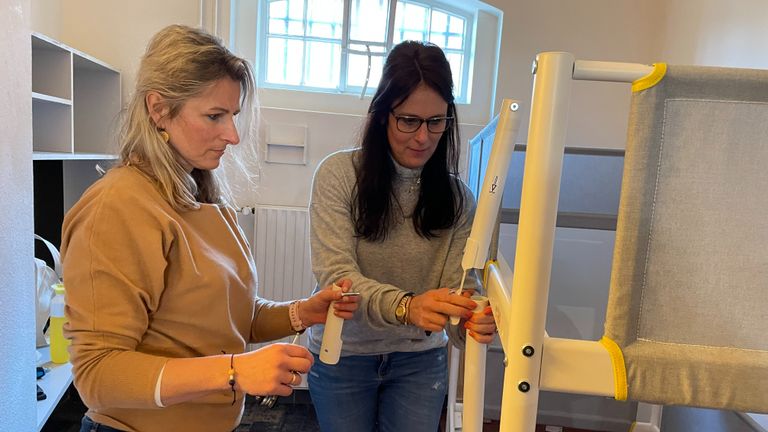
(590, 182)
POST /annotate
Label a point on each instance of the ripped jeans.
(399, 391)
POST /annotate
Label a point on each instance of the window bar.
(305, 51)
(390, 35)
(346, 27)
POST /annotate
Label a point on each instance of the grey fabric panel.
(723, 378)
(707, 263)
(689, 285)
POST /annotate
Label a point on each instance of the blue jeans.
(88, 425)
(399, 391)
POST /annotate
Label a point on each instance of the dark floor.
(290, 414)
(293, 413)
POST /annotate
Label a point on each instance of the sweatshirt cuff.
(158, 399)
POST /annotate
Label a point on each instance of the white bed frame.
(534, 361)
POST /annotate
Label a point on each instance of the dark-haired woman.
(393, 216)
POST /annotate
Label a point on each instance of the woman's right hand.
(271, 370)
(432, 309)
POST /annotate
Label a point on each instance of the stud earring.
(164, 135)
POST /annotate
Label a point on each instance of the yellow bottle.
(59, 344)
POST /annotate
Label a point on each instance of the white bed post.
(453, 422)
(475, 256)
(535, 240)
(474, 378)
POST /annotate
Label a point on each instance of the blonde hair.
(180, 63)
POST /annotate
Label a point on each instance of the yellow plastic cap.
(58, 288)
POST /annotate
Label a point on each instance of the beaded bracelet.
(231, 374)
(293, 313)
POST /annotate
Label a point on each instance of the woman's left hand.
(314, 310)
(482, 326)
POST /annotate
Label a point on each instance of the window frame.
(343, 87)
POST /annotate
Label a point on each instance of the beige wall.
(46, 17)
(621, 31)
(115, 32)
(715, 33)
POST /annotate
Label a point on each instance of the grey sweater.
(382, 271)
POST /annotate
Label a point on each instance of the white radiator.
(280, 245)
(281, 249)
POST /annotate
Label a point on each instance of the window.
(340, 45)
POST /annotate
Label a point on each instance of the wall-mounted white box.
(286, 144)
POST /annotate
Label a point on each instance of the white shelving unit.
(54, 384)
(75, 110)
(75, 103)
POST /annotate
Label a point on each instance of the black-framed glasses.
(410, 124)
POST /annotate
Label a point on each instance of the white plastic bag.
(45, 278)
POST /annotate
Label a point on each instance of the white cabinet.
(75, 103)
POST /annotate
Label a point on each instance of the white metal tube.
(473, 402)
(577, 366)
(535, 240)
(498, 281)
(453, 378)
(489, 199)
(609, 71)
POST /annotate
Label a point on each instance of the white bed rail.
(525, 336)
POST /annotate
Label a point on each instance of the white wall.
(17, 296)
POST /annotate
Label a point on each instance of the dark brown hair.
(441, 196)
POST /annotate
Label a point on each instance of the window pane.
(456, 61)
(285, 61)
(296, 17)
(447, 31)
(324, 18)
(278, 8)
(456, 25)
(357, 68)
(439, 22)
(286, 17)
(438, 39)
(414, 35)
(455, 42)
(369, 20)
(278, 17)
(323, 65)
(410, 22)
(415, 17)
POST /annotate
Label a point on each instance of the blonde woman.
(161, 285)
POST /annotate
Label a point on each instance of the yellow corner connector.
(619, 369)
(650, 80)
(485, 271)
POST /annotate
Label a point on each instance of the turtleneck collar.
(405, 173)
